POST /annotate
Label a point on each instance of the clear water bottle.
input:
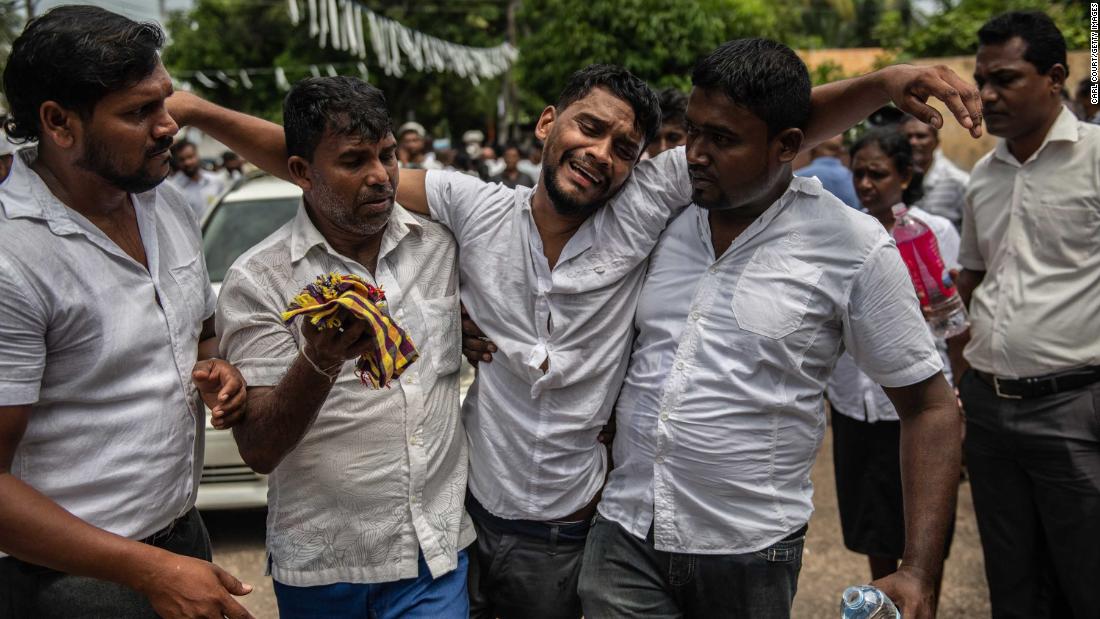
(938, 297)
(867, 602)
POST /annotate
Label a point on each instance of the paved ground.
(827, 566)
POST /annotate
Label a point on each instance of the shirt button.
(695, 315)
(659, 459)
(679, 365)
(664, 416)
(713, 270)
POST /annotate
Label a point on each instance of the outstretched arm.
(838, 106)
(263, 143)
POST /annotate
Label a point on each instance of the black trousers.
(28, 590)
(1035, 476)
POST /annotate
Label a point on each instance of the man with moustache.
(553, 274)
(752, 295)
(366, 486)
(944, 184)
(1030, 372)
(106, 331)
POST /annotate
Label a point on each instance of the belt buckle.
(1000, 394)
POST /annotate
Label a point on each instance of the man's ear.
(1058, 75)
(300, 170)
(788, 143)
(545, 123)
(60, 125)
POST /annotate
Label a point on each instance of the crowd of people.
(658, 306)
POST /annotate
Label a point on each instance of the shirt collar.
(305, 236)
(808, 186)
(1064, 129)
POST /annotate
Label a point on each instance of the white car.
(241, 219)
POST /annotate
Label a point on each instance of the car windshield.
(236, 226)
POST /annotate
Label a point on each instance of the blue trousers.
(422, 597)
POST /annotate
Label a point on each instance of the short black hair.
(895, 145)
(341, 105)
(674, 105)
(764, 77)
(75, 55)
(621, 83)
(178, 147)
(511, 145)
(230, 156)
(1046, 46)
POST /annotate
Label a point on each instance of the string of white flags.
(242, 77)
(346, 24)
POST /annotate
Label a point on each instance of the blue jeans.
(623, 576)
(422, 597)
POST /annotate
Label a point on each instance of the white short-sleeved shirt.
(381, 473)
(533, 448)
(944, 189)
(721, 414)
(201, 193)
(1034, 229)
(851, 392)
(116, 427)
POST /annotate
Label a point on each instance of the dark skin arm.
(931, 458)
(966, 282)
(278, 417)
(219, 383)
(37, 530)
(836, 107)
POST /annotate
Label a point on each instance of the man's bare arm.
(931, 457)
(37, 530)
(839, 106)
(264, 143)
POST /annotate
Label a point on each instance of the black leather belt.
(1040, 386)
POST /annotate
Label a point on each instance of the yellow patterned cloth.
(320, 302)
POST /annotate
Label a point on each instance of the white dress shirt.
(533, 448)
(381, 473)
(944, 189)
(201, 193)
(851, 392)
(1034, 229)
(115, 434)
(722, 414)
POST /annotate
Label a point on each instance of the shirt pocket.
(1066, 231)
(773, 292)
(191, 290)
(444, 343)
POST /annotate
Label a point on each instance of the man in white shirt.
(200, 187)
(751, 296)
(1030, 380)
(553, 274)
(366, 485)
(106, 338)
(944, 183)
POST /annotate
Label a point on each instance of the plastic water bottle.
(921, 253)
(867, 602)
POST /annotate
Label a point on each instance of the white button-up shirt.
(851, 392)
(115, 430)
(533, 448)
(944, 189)
(1034, 229)
(722, 413)
(381, 473)
(201, 193)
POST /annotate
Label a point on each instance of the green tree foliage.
(954, 32)
(658, 40)
(234, 34)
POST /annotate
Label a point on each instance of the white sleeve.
(23, 325)
(455, 198)
(884, 330)
(657, 191)
(970, 255)
(253, 336)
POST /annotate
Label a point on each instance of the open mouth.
(587, 176)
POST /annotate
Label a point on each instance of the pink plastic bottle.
(935, 290)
